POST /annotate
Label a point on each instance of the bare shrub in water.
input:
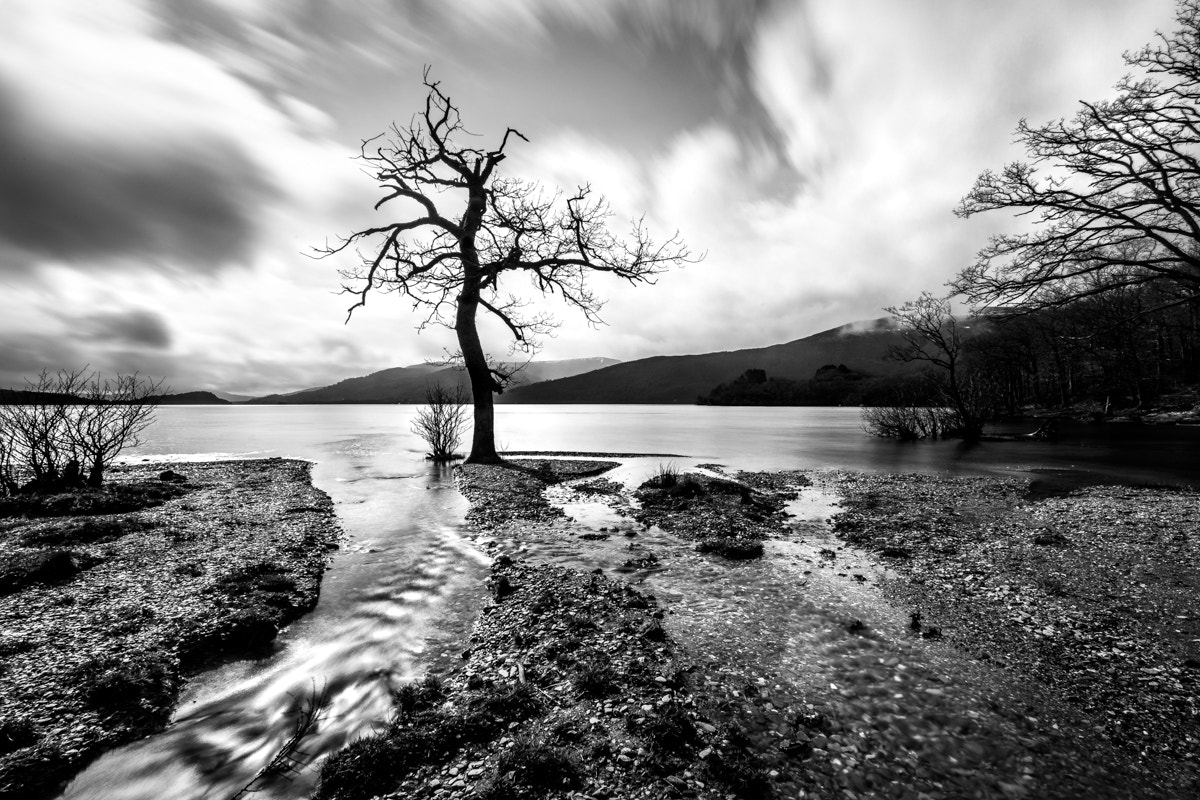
(440, 421)
(909, 423)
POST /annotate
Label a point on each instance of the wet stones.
(724, 517)
(501, 493)
(1085, 591)
(137, 584)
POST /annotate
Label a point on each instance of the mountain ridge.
(407, 384)
(681, 379)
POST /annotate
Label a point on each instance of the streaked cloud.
(165, 166)
(115, 144)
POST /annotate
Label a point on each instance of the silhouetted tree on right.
(1113, 193)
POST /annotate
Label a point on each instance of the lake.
(404, 589)
(747, 438)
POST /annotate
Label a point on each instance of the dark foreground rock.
(108, 599)
(731, 518)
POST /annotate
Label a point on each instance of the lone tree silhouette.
(1114, 192)
(450, 262)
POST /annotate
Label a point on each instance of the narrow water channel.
(405, 580)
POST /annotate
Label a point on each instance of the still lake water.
(747, 438)
(403, 590)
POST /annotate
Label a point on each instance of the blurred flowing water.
(402, 592)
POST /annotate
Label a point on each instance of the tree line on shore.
(831, 385)
(1125, 348)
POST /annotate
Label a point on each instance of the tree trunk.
(483, 435)
(95, 477)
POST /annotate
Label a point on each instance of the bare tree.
(440, 421)
(67, 428)
(932, 335)
(1113, 193)
(112, 417)
(9, 476)
(36, 425)
(450, 262)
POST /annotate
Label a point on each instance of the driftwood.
(1047, 431)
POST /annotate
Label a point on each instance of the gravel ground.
(570, 682)
(500, 494)
(1092, 592)
(103, 615)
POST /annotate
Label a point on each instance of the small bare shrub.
(666, 477)
(595, 678)
(909, 423)
(66, 429)
(440, 421)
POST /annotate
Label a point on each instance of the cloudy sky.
(164, 167)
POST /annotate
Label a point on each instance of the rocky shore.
(943, 638)
(1091, 591)
(109, 599)
(702, 635)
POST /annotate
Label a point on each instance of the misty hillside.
(861, 346)
(407, 384)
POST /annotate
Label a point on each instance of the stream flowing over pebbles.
(191, 563)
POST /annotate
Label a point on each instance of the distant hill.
(407, 384)
(193, 399)
(18, 397)
(234, 398)
(861, 346)
(21, 396)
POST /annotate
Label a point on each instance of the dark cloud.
(137, 328)
(25, 355)
(189, 203)
(118, 341)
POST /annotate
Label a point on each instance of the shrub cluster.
(909, 423)
(64, 431)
